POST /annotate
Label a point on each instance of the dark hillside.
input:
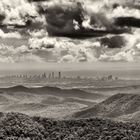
(113, 107)
(15, 126)
(47, 90)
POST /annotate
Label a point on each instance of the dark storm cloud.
(127, 21)
(71, 19)
(113, 42)
(60, 19)
(74, 21)
(38, 0)
(100, 20)
(2, 17)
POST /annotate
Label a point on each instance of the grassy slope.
(113, 107)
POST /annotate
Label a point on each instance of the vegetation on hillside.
(15, 126)
(113, 107)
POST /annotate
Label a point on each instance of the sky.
(84, 66)
(72, 33)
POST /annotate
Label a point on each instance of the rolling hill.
(117, 106)
(46, 101)
(47, 90)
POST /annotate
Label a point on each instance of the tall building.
(44, 75)
(53, 75)
(110, 77)
(59, 75)
(49, 76)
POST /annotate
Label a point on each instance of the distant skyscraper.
(59, 75)
(49, 76)
(44, 75)
(110, 77)
(53, 75)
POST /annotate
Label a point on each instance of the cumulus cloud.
(110, 48)
(70, 18)
(17, 11)
(120, 56)
(10, 54)
(10, 35)
(68, 50)
(67, 58)
(129, 52)
(38, 33)
(121, 11)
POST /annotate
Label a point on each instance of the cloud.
(121, 11)
(115, 41)
(60, 19)
(67, 58)
(38, 33)
(10, 54)
(10, 35)
(66, 19)
(76, 18)
(121, 56)
(43, 43)
(65, 49)
(83, 18)
(16, 11)
(125, 47)
(127, 21)
(129, 52)
(45, 49)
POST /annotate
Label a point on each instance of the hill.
(47, 90)
(15, 126)
(18, 88)
(114, 107)
(46, 101)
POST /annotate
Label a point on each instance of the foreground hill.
(114, 107)
(15, 126)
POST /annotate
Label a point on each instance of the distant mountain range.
(46, 101)
(47, 90)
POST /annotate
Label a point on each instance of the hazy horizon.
(71, 66)
(120, 69)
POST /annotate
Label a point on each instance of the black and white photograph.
(69, 69)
